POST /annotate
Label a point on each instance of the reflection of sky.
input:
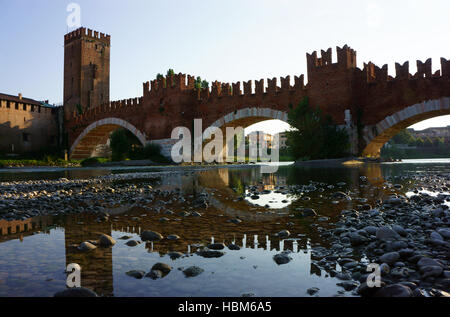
(274, 200)
(433, 194)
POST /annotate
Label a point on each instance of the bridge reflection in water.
(257, 231)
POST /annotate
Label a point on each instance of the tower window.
(26, 137)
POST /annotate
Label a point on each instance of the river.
(35, 251)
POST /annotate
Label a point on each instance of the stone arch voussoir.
(376, 136)
(85, 142)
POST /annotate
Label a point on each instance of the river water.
(35, 252)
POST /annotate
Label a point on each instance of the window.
(24, 107)
(26, 137)
(8, 105)
(17, 106)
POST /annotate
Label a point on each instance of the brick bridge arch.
(98, 133)
(377, 136)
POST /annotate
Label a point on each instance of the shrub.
(120, 146)
(90, 161)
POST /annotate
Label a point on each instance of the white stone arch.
(377, 135)
(255, 112)
(116, 122)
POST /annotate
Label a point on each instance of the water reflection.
(36, 251)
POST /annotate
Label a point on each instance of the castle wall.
(27, 128)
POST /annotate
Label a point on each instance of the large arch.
(98, 133)
(243, 118)
(376, 136)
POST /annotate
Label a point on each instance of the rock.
(216, 246)
(136, 274)
(234, 247)
(433, 271)
(400, 230)
(313, 290)
(86, 246)
(76, 292)
(419, 293)
(164, 268)
(282, 258)
(390, 257)
(371, 230)
(132, 243)
(394, 290)
(436, 236)
(193, 271)
(339, 195)
(438, 293)
(151, 236)
(444, 232)
(385, 269)
(235, 221)
(426, 261)
(348, 286)
(306, 212)
(210, 253)
(284, 234)
(393, 200)
(173, 237)
(175, 255)
(125, 238)
(366, 291)
(106, 241)
(387, 234)
(155, 274)
(344, 276)
(356, 239)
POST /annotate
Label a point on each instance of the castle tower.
(86, 70)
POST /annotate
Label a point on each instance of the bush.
(315, 136)
(90, 161)
(149, 152)
(120, 146)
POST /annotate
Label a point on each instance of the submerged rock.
(193, 271)
(149, 235)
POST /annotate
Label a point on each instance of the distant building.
(440, 132)
(28, 125)
(282, 139)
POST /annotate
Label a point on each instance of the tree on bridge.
(315, 136)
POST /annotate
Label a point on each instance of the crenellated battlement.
(373, 73)
(112, 106)
(87, 34)
(346, 59)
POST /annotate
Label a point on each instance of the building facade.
(28, 125)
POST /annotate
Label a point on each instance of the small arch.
(376, 136)
(98, 132)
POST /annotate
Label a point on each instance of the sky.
(228, 41)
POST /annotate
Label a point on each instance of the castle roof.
(25, 100)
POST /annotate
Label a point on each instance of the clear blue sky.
(229, 41)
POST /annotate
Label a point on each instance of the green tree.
(404, 137)
(170, 72)
(120, 145)
(315, 136)
(200, 84)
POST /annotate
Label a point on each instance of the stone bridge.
(372, 105)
